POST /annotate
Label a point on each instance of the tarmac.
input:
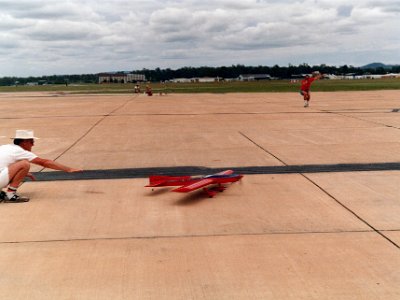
(316, 215)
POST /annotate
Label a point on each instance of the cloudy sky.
(89, 36)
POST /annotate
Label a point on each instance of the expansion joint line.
(262, 148)
(361, 119)
(348, 209)
(94, 126)
(184, 236)
(352, 212)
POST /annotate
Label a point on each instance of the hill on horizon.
(377, 65)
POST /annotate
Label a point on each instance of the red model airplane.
(192, 183)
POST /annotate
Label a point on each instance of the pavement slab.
(327, 234)
(56, 134)
(374, 196)
(313, 266)
(41, 105)
(389, 118)
(165, 141)
(125, 208)
(393, 235)
(337, 153)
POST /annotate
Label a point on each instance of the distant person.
(149, 91)
(137, 89)
(306, 85)
(164, 89)
(15, 162)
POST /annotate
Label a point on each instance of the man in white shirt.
(15, 162)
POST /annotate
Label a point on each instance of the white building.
(195, 79)
(205, 79)
(120, 77)
(181, 80)
(252, 77)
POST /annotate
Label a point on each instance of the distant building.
(195, 79)
(391, 75)
(331, 76)
(181, 80)
(206, 79)
(135, 77)
(120, 77)
(252, 77)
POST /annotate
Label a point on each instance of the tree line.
(223, 72)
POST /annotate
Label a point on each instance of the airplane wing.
(227, 172)
(194, 186)
(155, 183)
(161, 180)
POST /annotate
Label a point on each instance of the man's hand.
(73, 170)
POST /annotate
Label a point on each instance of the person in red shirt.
(305, 87)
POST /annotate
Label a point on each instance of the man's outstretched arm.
(51, 164)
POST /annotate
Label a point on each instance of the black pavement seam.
(198, 170)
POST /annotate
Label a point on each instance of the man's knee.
(24, 164)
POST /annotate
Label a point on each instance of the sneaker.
(2, 196)
(16, 199)
(305, 103)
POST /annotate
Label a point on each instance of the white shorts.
(4, 179)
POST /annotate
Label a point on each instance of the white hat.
(24, 134)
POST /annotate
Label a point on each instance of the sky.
(60, 37)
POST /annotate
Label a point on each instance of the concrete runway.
(316, 216)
